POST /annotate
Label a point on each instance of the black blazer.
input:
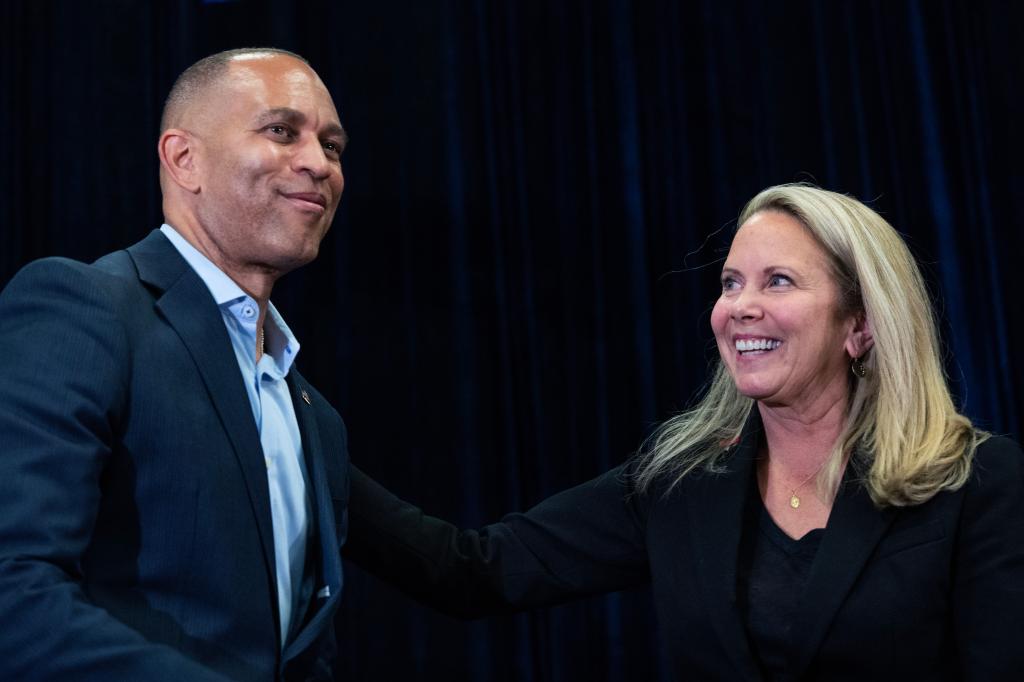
(135, 529)
(932, 592)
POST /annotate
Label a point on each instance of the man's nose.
(311, 158)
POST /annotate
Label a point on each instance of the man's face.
(269, 154)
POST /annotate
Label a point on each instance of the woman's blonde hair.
(900, 418)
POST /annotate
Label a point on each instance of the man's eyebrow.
(297, 118)
(286, 114)
(335, 130)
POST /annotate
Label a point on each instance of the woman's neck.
(797, 446)
(802, 438)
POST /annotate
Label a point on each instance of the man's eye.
(333, 147)
(281, 131)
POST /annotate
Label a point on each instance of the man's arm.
(63, 383)
(584, 541)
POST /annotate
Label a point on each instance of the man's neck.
(256, 281)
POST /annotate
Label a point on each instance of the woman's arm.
(583, 541)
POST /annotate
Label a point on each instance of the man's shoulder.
(107, 274)
(113, 272)
(116, 264)
(61, 269)
(113, 279)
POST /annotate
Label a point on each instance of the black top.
(773, 571)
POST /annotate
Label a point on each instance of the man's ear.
(178, 158)
(859, 341)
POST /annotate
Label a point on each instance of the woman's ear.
(859, 341)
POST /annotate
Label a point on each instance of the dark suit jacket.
(932, 592)
(135, 527)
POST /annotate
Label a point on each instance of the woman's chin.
(756, 390)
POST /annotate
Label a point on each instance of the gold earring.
(858, 368)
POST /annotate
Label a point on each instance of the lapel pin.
(305, 396)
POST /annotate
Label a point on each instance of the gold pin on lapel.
(305, 396)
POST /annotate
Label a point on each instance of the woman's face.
(777, 321)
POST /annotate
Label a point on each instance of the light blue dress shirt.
(274, 413)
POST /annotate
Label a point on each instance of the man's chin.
(297, 260)
(281, 262)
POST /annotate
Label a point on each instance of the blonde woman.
(824, 512)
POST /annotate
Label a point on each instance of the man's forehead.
(272, 69)
(274, 79)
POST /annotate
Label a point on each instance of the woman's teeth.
(748, 345)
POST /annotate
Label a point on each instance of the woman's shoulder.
(998, 461)
(994, 494)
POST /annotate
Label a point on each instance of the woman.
(823, 512)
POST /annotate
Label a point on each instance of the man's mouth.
(313, 201)
(756, 346)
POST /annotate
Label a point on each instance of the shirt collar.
(281, 343)
(223, 288)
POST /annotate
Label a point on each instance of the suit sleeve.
(989, 571)
(584, 541)
(64, 360)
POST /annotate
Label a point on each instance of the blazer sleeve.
(584, 541)
(63, 366)
(989, 566)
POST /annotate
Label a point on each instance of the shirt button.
(248, 311)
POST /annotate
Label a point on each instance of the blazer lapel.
(716, 508)
(854, 528)
(189, 309)
(327, 589)
(717, 503)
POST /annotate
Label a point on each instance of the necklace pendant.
(794, 502)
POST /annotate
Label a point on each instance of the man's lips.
(312, 201)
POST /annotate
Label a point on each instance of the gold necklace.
(794, 499)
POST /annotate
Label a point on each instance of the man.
(173, 494)
(172, 491)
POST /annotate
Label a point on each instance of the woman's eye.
(779, 280)
(729, 283)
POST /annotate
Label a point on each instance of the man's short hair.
(204, 73)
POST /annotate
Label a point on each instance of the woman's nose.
(746, 306)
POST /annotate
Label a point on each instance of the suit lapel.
(190, 310)
(716, 508)
(854, 528)
(328, 576)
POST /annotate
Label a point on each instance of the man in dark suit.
(172, 492)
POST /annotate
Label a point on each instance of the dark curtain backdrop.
(518, 282)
